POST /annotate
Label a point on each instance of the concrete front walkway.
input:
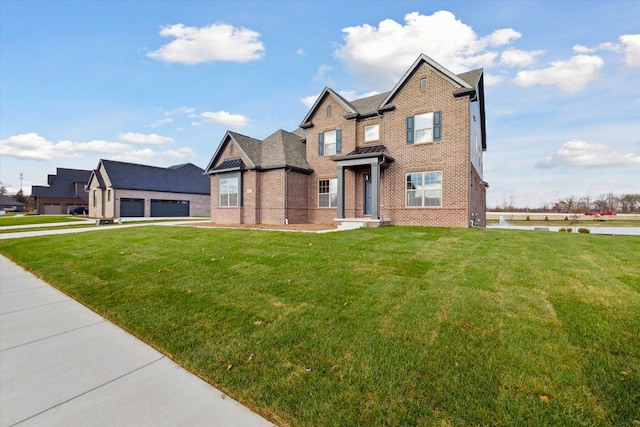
(61, 364)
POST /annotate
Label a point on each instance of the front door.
(367, 194)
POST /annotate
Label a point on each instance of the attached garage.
(53, 209)
(169, 208)
(131, 207)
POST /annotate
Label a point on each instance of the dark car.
(79, 210)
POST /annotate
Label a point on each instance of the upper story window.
(330, 142)
(371, 133)
(424, 84)
(328, 193)
(228, 192)
(424, 189)
(423, 128)
(109, 195)
(329, 110)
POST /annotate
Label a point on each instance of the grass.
(385, 327)
(35, 219)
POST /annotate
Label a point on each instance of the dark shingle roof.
(283, 148)
(369, 104)
(186, 178)
(250, 146)
(62, 184)
(9, 201)
(471, 77)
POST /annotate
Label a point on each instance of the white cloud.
(632, 50)
(580, 154)
(144, 139)
(35, 147)
(379, 56)
(519, 58)
(321, 75)
(144, 156)
(602, 46)
(162, 122)
(180, 153)
(216, 42)
(308, 101)
(96, 146)
(29, 146)
(492, 79)
(300, 52)
(224, 118)
(570, 76)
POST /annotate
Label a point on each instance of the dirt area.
(285, 227)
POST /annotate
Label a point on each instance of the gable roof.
(327, 91)
(9, 201)
(186, 178)
(62, 184)
(278, 150)
(424, 59)
(373, 105)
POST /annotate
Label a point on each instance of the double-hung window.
(423, 128)
(328, 193)
(330, 142)
(228, 190)
(424, 189)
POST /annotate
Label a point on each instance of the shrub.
(584, 230)
(527, 218)
(546, 218)
(566, 218)
(565, 230)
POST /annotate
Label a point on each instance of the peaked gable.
(248, 146)
(327, 91)
(423, 59)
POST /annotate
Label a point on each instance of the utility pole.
(21, 178)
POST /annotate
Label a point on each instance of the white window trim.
(220, 193)
(406, 191)
(377, 125)
(416, 129)
(334, 143)
(329, 193)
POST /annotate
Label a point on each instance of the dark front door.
(367, 194)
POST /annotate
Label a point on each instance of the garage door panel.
(169, 208)
(131, 207)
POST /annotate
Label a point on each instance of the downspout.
(286, 195)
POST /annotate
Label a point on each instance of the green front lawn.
(374, 327)
(35, 219)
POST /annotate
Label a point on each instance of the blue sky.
(159, 82)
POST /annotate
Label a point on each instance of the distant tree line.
(610, 202)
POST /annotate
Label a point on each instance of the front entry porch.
(372, 159)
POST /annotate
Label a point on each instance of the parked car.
(78, 210)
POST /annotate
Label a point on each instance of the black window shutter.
(409, 130)
(338, 141)
(321, 144)
(437, 125)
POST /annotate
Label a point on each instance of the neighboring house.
(118, 189)
(411, 156)
(66, 189)
(9, 204)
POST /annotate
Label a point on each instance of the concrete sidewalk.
(61, 364)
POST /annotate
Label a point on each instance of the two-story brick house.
(410, 156)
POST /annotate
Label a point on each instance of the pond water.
(616, 231)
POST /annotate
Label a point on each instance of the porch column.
(340, 210)
(375, 189)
